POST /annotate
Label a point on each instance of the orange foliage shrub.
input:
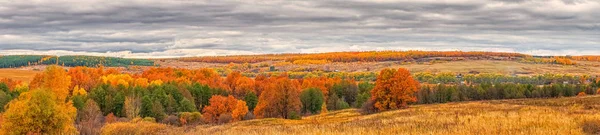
(110, 118)
(220, 105)
(581, 94)
(394, 89)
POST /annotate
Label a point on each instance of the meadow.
(570, 115)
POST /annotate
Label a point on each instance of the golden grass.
(501, 67)
(529, 116)
(17, 74)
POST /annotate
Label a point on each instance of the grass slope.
(523, 116)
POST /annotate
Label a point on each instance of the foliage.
(220, 105)
(279, 99)
(394, 89)
(251, 100)
(312, 100)
(38, 111)
(72, 61)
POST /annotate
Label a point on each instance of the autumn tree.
(38, 112)
(280, 100)
(90, 118)
(55, 79)
(220, 105)
(394, 89)
(132, 106)
(312, 100)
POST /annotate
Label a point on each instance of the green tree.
(186, 106)
(312, 100)
(251, 100)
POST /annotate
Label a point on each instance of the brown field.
(521, 117)
(18, 74)
(465, 66)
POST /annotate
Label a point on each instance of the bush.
(225, 118)
(368, 107)
(249, 116)
(581, 94)
(294, 116)
(591, 126)
(149, 119)
(171, 120)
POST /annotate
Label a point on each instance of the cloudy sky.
(175, 28)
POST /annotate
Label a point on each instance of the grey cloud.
(233, 27)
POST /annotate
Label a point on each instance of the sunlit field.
(574, 115)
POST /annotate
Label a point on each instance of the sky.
(184, 28)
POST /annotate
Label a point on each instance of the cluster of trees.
(543, 79)
(586, 58)
(451, 93)
(368, 56)
(554, 60)
(90, 97)
(14, 61)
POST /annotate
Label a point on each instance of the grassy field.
(527, 116)
(18, 74)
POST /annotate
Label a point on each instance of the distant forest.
(71, 61)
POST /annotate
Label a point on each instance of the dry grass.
(501, 67)
(533, 116)
(18, 74)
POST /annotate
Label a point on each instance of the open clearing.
(521, 116)
(18, 74)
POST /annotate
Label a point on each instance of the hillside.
(573, 115)
(522, 116)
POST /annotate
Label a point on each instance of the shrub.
(149, 119)
(225, 118)
(294, 116)
(591, 126)
(581, 94)
(110, 118)
(171, 120)
(249, 116)
(368, 107)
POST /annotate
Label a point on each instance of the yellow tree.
(37, 112)
(55, 79)
(394, 89)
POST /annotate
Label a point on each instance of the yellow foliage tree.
(55, 79)
(37, 112)
(79, 91)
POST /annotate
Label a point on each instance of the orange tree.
(280, 99)
(394, 89)
(220, 105)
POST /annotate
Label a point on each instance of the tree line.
(15, 61)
